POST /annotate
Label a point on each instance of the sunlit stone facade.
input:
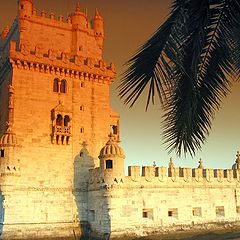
(60, 173)
(55, 116)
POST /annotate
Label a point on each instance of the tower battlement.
(60, 63)
(75, 36)
(149, 176)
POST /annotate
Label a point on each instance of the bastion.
(61, 166)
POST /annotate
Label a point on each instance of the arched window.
(63, 86)
(66, 120)
(82, 85)
(55, 85)
(59, 120)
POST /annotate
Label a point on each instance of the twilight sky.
(128, 24)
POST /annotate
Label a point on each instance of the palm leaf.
(189, 61)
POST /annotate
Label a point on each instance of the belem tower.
(61, 170)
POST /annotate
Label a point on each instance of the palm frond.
(152, 65)
(189, 62)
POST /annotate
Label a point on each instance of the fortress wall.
(160, 197)
(31, 212)
(148, 209)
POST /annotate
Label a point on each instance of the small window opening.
(14, 168)
(92, 215)
(63, 86)
(114, 129)
(59, 120)
(67, 140)
(109, 164)
(81, 154)
(81, 130)
(82, 85)
(147, 213)
(62, 139)
(197, 212)
(66, 120)
(8, 168)
(220, 211)
(81, 108)
(173, 212)
(21, 6)
(115, 180)
(2, 153)
(238, 210)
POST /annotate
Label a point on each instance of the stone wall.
(44, 176)
(159, 198)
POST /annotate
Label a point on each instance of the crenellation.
(208, 174)
(56, 172)
(160, 176)
(218, 174)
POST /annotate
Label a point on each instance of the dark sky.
(128, 23)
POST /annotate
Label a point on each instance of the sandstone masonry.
(58, 178)
(54, 95)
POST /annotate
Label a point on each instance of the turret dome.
(111, 149)
(8, 138)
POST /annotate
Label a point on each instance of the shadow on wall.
(82, 163)
(93, 206)
(1, 214)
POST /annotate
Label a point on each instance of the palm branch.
(189, 63)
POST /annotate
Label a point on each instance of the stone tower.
(55, 117)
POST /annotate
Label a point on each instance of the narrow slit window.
(81, 130)
(2, 153)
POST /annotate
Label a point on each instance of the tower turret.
(25, 8)
(8, 142)
(112, 159)
(9, 166)
(98, 28)
(79, 19)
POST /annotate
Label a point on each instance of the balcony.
(61, 134)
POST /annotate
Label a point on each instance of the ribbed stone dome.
(8, 138)
(111, 148)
